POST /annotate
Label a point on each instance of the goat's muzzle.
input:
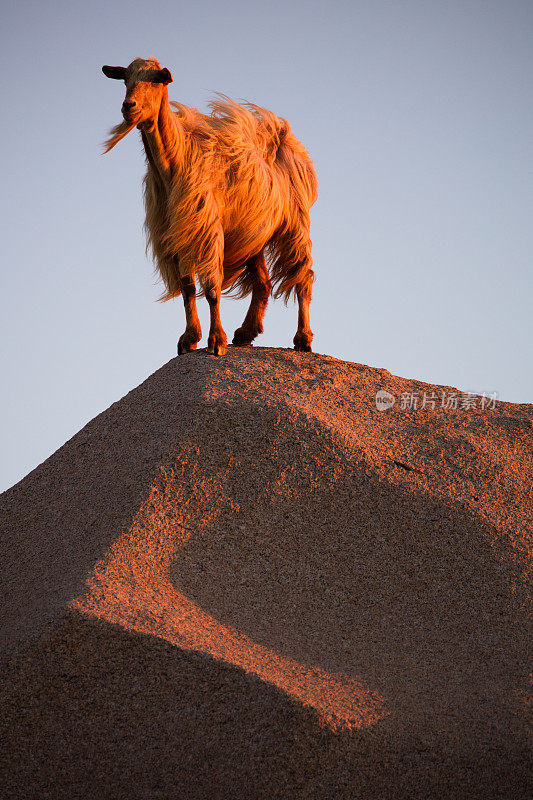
(128, 108)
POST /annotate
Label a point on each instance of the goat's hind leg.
(304, 334)
(193, 331)
(256, 274)
(293, 268)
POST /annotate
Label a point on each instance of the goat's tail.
(290, 247)
(294, 161)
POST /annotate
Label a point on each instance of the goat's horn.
(118, 73)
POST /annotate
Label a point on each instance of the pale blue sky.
(418, 115)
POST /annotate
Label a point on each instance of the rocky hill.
(250, 578)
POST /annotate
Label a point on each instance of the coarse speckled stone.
(243, 580)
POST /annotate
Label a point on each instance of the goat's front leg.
(193, 331)
(217, 341)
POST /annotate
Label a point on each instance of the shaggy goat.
(223, 193)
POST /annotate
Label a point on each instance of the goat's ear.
(119, 73)
(164, 76)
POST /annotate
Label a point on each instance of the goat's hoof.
(302, 342)
(185, 345)
(242, 338)
(217, 345)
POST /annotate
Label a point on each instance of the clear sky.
(418, 115)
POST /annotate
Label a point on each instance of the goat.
(225, 195)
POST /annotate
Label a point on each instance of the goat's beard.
(117, 133)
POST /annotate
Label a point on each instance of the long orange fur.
(240, 175)
(233, 184)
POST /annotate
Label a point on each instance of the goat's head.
(145, 81)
